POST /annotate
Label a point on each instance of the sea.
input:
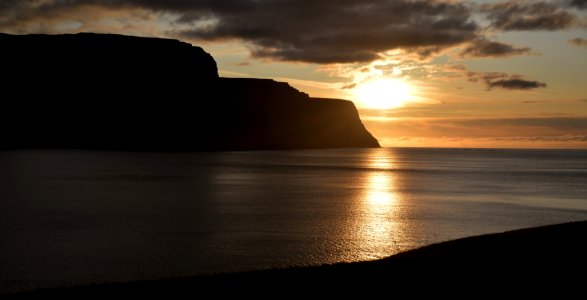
(70, 217)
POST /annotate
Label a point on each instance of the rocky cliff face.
(116, 92)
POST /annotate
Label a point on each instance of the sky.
(497, 74)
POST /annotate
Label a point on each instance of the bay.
(79, 217)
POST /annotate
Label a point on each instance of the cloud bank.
(314, 31)
(558, 132)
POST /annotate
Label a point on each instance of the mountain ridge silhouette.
(115, 92)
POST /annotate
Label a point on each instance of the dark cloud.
(316, 31)
(583, 100)
(515, 84)
(341, 31)
(530, 15)
(578, 3)
(578, 42)
(485, 48)
(505, 81)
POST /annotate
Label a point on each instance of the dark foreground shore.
(540, 261)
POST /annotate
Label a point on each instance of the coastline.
(548, 259)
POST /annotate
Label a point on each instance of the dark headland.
(114, 92)
(546, 261)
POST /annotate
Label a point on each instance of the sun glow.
(383, 93)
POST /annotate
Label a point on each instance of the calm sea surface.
(79, 217)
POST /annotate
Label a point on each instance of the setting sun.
(383, 93)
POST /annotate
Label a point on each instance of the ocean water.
(80, 217)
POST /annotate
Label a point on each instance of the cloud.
(530, 15)
(465, 127)
(504, 81)
(577, 3)
(530, 142)
(315, 31)
(425, 52)
(559, 123)
(565, 132)
(579, 42)
(567, 138)
(485, 48)
(341, 31)
(515, 84)
(349, 86)
(312, 31)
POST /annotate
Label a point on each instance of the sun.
(383, 93)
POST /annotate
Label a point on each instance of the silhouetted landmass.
(546, 261)
(113, 92)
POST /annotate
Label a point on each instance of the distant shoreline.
(528, 261)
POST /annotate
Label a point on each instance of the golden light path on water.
(379, 226)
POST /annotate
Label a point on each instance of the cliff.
(113, 92)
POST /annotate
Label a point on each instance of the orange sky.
(448, 107)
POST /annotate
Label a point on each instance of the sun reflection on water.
(379, 227)
(380, 161)
(378, 193)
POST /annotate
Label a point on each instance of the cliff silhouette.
(114, 92)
